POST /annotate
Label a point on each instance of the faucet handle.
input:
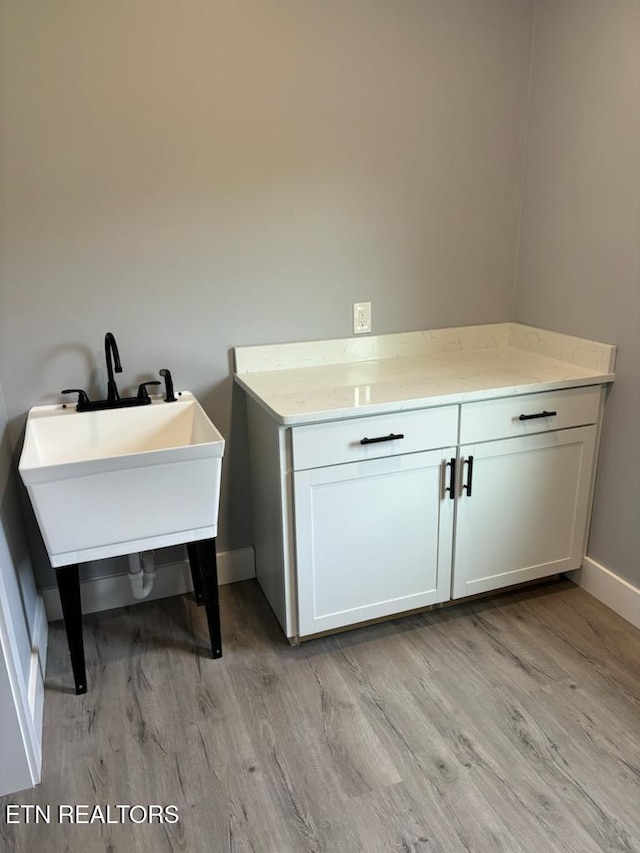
(143, 394)
(83, 399)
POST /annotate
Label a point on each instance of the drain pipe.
(142, 573)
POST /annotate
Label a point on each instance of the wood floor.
(508, 724)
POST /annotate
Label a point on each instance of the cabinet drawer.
(526, 414)
(333, 443)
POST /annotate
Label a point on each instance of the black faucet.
(114, 400)
(112, 357)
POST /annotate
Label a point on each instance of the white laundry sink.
(117, 481)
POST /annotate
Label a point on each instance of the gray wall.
(198, 175)
(579, 268)
(15, 564)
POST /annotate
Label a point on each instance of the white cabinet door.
(21, 687)
(373, 538)
(527, 513)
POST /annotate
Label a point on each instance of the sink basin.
(122, 480)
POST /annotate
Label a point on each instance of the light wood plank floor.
(508, 724)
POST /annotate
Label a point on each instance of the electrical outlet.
(361, 317)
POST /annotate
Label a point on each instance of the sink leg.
(195, 574)
(202, 559)
(68, 579)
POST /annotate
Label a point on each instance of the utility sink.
(104, 483)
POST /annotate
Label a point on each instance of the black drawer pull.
(538, 415)
(390, 437)
(451, 488)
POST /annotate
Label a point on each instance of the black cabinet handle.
(469, 463)
(544, 414)
(390, 437)
(451, 488)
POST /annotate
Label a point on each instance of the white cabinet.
(525, 515)
(373, 538)
(373, 524)
(362, 518)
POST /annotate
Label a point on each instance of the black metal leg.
(195, 573)
(202, 559)
(68, 579)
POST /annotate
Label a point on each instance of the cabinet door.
(372, 539)
(527, 513)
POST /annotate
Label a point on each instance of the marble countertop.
(326, 380)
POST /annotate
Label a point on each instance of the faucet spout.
(112, 357)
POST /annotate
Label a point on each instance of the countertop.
(317, 381)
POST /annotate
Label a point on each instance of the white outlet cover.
(361, 317)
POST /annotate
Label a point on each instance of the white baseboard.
(112, 591)
(612, 590)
